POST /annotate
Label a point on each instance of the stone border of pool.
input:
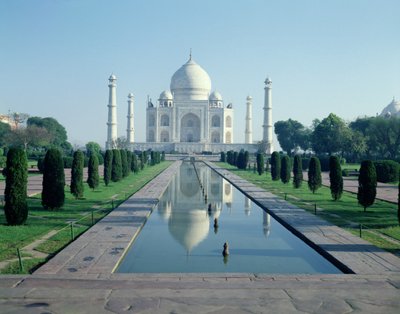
(92, 288)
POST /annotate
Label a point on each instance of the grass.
(381, 218)
(40, 221)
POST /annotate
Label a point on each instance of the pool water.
(182, 236)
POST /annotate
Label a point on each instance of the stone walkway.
(80, 278)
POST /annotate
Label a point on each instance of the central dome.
(190, 82)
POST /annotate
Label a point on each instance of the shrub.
(108, 158)
(116, 169)
(135, 163)
(16, 206)
(101, 159)
(260, 163)
(366, 184)
(163, 156)
(335, 177)
(76, 186)
(124, 162)
(297, 172)
(222, 157)
(129, 160)
(53, 180)
(143, 159)
(314, 174)
(246, 159)
(67, 162)
(3, 161)
(235, 157)
(40, 164)
(387, 170)
(275, 166)
(285, 169)
(93, 172)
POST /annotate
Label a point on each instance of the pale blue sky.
(323, 56)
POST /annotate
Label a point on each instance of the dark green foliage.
(241, 160)
(275, 166)
(387, 170)
(53, 180)
(57, 131)
(129, 160)
(116, 169)
(108, 158)
(76, 186)
(335, 177)
(246, 159)
(366, 184)
(223, 157)
(67, 161)
(260, 163)
(143, 159)
(235, 157)
(398, 204)
(229, 157)
(163, 156)
(314, 174)
(93, 172)
(124, 161)
(40, 164)
(135, 163)
(292, 134)
(16, 207)
(297, 172)
(101, 158)
(286, 165)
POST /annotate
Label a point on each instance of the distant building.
(391, 110)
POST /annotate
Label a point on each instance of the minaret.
(129, 128)
(248, 133)
(112, 114)
(267, 126)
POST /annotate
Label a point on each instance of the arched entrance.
(190, 128)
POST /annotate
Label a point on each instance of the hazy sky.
(322, 56)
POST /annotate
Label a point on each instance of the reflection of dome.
(166, 95)
(190, 82)
(189, 227)
(391, 110)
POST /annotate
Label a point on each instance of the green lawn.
(380, 219)
(40, 222)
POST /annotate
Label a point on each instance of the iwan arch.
(190, 117)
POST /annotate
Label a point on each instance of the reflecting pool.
(187, 231)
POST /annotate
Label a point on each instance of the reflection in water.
(266, 223)
(247, 206)
(188, 212)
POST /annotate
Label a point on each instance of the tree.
(314, 174)
(56, 130)
(134, 164)
(108, 159)
(275, 166)
(285, 169)
(384, 135)
(77, 175)
(335, 177)
(297, 172)
(53, 180)
(92, 147)
(16, 206)
(330, 135)
(222, 157)
(260, 163)
(366, 184)
(4, 130)
(116, 169)
(292, 134)
(246, 159)
(31, 136)
(93, 171)
(124, 161)
(143, 159)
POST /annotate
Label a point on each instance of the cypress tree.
(235, 157)
(163, 156)
(223, 157)
(260, 163)
(297, 172)
(246, 159)
(124, 161)
(240, 160)
(16, 171)
(93, 171)
(314, 174)
(275, 166)
(335, 177)
(285, 169)
(53, 180)
(143, 159)
(129, 160)
(366, 184)
(77, 175)
(116, 169)
(135, 164)
(108, 158)
(398, 205)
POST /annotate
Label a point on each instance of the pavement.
(80, 278)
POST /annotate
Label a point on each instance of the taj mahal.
(190, 117)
